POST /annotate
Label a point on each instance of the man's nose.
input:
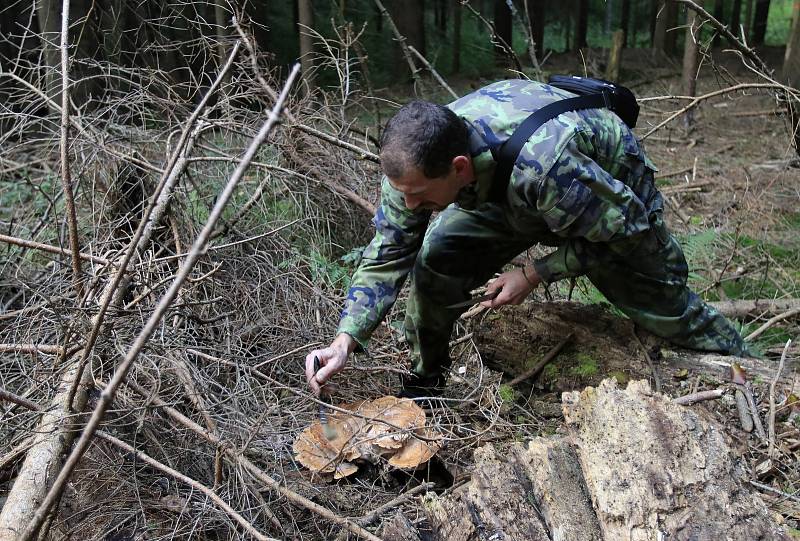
(412, 202)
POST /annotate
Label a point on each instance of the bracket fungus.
(388, 428)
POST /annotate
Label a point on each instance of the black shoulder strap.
(507, 154)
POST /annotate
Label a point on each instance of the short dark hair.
(424, 135)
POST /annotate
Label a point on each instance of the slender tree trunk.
(221, 18)
(736, 18)
(748, 20)
(791, 61)
(690, 61)
(456, 36)
(582, 24)
(624, 22)
(719, 14)
(409, 17)
(791, 71)
(671, 37)
(305, 15)
(760, 22)
(615, 56)
(502, 27)
(536, 23)
(48, 12)
(655, 5)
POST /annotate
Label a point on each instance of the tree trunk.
(609, 16)
(536, 23)
(409, 17)
(615, 56)
(502, 28)
(736, 11)
(634, 466)
(456, 36)
(748, 19)
(719, 14)
(671, 37)
(760, 22)
(791, 61)
(655, 5)
(624, 23)
(690, 62)
(221, 18)
(305, 14)
(582, 24)
(48, 12)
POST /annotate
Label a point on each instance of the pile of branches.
(166, 266)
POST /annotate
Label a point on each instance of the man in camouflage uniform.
(582, 183)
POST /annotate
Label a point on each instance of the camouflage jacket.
(580, 184)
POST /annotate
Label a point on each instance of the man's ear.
(463, 165)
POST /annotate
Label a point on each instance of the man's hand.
(514, 286)
(332, 360)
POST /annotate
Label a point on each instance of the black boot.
(415, 386)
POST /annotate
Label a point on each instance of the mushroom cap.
(388, 427)
(417, 451)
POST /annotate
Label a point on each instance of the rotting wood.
(636, 466)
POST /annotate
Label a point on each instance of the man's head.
(425, 155)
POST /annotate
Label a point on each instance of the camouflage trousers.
(463, 248)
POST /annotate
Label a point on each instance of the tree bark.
(719, 14)
(502, 28)
(409, 17)
(760, 22)
(625, 20)
(582, 24)
(48, 13)
(615, 56)
(536, 19)
(306, 22)
(736, 11)
(690, 62)
(671, 37)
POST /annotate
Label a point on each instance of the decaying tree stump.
(635, 466)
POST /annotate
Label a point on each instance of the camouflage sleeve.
(385, 263)
(599, 215)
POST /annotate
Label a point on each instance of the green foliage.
(779, 22)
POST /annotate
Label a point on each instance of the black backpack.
(592, 94)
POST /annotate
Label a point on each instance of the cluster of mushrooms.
(389, 428)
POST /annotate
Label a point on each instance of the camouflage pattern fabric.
(581, 184)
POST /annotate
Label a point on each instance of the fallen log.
(737, 309)
(635, 466)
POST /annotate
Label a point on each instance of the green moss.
(621, 377)
(507, 394)
(550, 372)
(586, 366)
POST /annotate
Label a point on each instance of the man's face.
(420, 191)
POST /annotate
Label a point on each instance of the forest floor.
(232, 359)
